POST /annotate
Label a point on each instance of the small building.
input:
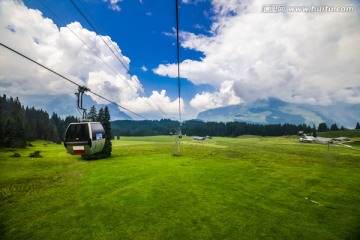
(307, 139)
(323, 140)
(341, 139)
(311, 139)
(197, 138)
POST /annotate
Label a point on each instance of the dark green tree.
(107, 127)
(93, 116)
(59, 125)
(1, 124)
(14, 117)
(323, 127)
(334, 127)
(14, 131)
(357, 126)
(314, 131)
(101, 115)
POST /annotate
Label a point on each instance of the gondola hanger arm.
(79, 94)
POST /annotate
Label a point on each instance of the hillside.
(221, 188)
(355, 133)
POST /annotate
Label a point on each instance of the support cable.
(80, 86)
(94, 52)
(92, 26)
(124, 65)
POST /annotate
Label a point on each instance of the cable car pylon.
(179, 134)
(79, 95)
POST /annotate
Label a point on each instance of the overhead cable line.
(73, 82)
(94, 52)
(116, 55)
(92, 26)
(13, 50)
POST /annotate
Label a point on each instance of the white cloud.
(159, 101)
(113, 4)
(28, 32)
(116, 88)
(192, 1)
(296, 57)
(221, 98)
(144, 69)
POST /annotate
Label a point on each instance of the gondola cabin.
(84, 138)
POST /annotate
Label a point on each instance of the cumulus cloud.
(296, 57)
(144, 68)
(37, 37)
(207, 100)
(113, 4)
(159, 101)
(192, 1)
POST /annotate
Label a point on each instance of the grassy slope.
(249, 188)
(347, 133)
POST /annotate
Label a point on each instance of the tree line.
(19, 124)
(221, 129)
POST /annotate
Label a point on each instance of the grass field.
(223, 188)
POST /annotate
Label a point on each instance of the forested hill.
(200, 128)
(19, 124)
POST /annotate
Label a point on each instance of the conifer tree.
(14, 132)
(101, 115)
(314, 131)
(59, 125)
(323, 127)
(107, 127)
(93, 116)
(334, 127)
(357, 126)
(1, 124)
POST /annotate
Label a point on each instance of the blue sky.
(232, 52)
(142, 30)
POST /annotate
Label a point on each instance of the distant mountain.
(64, 106)
(115, 113)
(274, 111)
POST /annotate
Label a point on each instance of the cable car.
(84, 138)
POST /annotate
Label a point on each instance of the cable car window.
(77, 132)
(98, 131)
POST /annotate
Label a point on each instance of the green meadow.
(222, 188)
